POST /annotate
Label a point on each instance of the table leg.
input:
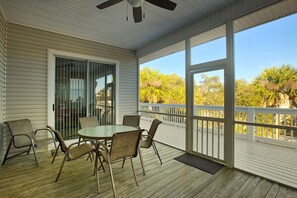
(97, 174)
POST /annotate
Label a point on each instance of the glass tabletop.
(104, 131)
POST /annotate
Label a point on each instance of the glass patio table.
(104, 132)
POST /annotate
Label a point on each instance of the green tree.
(174, 89)
(161, 88)
(198, 96)
(245, 94)
(150, 86)
(277, 85)
(212, 90)
(272, 88)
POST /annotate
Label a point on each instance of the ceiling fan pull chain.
(127, 18)
(143, 10)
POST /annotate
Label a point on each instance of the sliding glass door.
(83, 88)
(102, 92)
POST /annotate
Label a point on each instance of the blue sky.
(271, 44)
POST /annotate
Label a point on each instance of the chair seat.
(80, 150)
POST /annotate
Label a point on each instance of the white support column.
(229, 97)
(189, 98)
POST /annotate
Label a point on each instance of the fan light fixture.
(135, 3)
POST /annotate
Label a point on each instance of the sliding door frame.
(51, 72)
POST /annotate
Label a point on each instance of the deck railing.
(254, 124)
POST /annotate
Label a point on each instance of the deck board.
(230, 187)
(274, 162)
(220, 184)
(262, 189)
(281, 192)
(272, 191)
(21, 178)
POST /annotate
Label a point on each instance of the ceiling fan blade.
(106, 4)
(166, 4)
(137, 14)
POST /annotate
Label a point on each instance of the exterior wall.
(27, 71)
(3, 41)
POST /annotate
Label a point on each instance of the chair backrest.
(131, 120)
(124, 144)
(153, 130)
(22, 126)
(59, 138)
(88, 122)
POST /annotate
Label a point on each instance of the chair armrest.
(45, 129)
(76, 143)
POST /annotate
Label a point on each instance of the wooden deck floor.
(19, 177)
(277, 163)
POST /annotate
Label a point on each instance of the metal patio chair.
(148, 140)
(23, 136)
(131, 120)
(72, 152)
(88, 122)
(123, 145)
(85, 122)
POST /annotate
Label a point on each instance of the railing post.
(195, 110)
(251, 119)
(151, 108)
(160, 111)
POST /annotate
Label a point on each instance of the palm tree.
(156, 87)
(277, 85)
(150, 86)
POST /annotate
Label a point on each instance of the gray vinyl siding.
(3, 44)
(27, 71)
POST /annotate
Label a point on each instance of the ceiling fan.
(136, 4)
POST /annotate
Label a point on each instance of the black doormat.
(200, 163)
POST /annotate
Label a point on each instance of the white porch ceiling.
(81, 18)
